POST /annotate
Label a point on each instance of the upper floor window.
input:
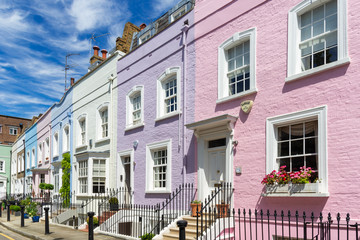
(66, 139)
(144, 37)
(13, 130)
(104, 123)
(168, 88)
(27, 163)
(47, 149)
(134, 107)
(2, 166)
(81, 139)
(32, 157)
(236, 66)
(40, 152)
(0, 128)
(56, 144)
(83, 176)
(317, 37)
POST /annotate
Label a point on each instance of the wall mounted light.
(135, 143)
(235, 142)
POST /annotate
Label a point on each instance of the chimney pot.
(72, 81)
(142, 26)
(104, 52)
(96, 50)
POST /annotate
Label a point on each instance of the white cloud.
(17, 99)
(13, 21)
(161, 6)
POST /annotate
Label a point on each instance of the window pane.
(310, 145)
(331, 55)
(247, 59)
(239, 62)
(283, 133)
(246, 46)
(306, 63)
(297, 147)
(297, 131)
(311, 161)
(311, 129)
(331, 39)
(285, 162)
(305, 33)
(331, 8)
(239, 50)
(231, 65)
(231, 53)
(331, 23)
(297, 163)
(306, 19)
(318, 59)
(318, 28)
(283, 149)
(318, 13)
(319, 44)
(306, 49)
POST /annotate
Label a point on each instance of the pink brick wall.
(337, 88)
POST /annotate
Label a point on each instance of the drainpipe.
(24, 168)
(10, 173)
(111, 79)
(184, 138)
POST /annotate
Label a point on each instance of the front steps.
(190, 230)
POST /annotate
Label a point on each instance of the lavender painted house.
(155, 100)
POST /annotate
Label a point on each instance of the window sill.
(131, 127)
(67, 151)
(102, 140)
(317, 70)
(169, 115)
(236, 96)
(157, 191)
(295, 190)
(81, 146)
(56, 156)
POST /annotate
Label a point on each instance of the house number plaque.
(246, 106)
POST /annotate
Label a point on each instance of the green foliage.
(196, 202)
(31, 209)
(25, 202)
(65, 188)
(49, 186)
(95, 221)
(113, 200)
(42, 186)
(147, 236)
(15, 208)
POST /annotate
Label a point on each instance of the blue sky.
(36, 35)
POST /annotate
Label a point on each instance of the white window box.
(296, 190)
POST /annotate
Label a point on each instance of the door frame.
(120, 169)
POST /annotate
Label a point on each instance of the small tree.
(65, 188)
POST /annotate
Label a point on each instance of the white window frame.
(99, 133)
(223, 81)
(175, 15)
(2, 163)
(28, 160)
(150, 164)
(33, 157)
(12, 130)
(40, 153)
(145, 36)
(56, 172)
(317, 113)
(79, 144)
(129, 107)
(1, 128)
(94, 176)
(56, 144)
(294, 56)
(66, 139)
(47, 149)
(83, 177)
(161, 81)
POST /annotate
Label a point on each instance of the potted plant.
(95, 221)
(25, 202)
(222, 209)
(32, 210)
(147, 236)
(114, 204)
(16, 209)
(195, 208)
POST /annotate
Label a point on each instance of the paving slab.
(37, 230)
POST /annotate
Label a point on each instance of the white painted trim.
(78, 131)
(319, 113)
(149, 166)
(169, 115)
(294, 61)
(98, 135)
(129, 107)
(237, 38)
(236, 96)
(160, 106)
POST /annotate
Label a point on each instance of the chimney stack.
(72, 81)
(142, 26)
(104, 52)
(96, 56)
(96, 50)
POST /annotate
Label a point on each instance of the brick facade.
(7, 123)
(123, 44)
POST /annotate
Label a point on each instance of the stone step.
(189, 232)
(171, 236)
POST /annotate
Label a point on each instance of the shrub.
(42, 186)
(196, 202)
(113, 200)
(15, 208)
(147, 236)
(31, 209)
(95, 221)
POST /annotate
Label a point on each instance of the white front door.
(216, 167)
(125, 179)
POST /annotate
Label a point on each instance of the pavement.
(33, 230)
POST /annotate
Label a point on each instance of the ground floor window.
(99, 175)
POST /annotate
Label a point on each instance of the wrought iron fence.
(136, 220)
(278, 225)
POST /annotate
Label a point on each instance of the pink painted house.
(41, 173)
(295, 63)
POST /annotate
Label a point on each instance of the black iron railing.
(220, 199)
(136, 220)
(278, 225)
